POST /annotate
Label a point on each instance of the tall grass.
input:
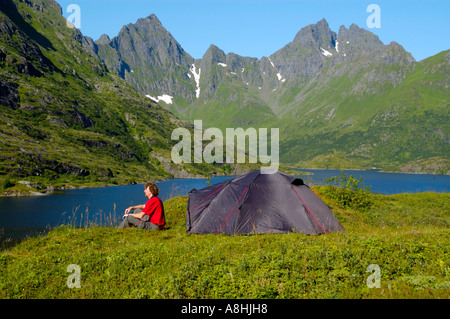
(84, 219)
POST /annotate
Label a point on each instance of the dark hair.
(153, 188)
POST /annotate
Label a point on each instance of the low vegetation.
(405, 235)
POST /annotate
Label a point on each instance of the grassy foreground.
(406, 236)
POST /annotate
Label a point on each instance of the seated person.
(149, 216)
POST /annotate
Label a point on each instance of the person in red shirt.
(149, 216)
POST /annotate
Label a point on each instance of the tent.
(259, 203)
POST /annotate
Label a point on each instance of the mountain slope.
(379, 116)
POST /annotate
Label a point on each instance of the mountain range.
(341, 100)
(75, 110)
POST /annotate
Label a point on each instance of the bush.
(349, 192)
(7, 184)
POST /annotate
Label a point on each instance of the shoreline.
(54, 189)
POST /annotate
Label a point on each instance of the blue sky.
(259, 28)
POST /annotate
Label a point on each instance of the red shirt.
(154, 208)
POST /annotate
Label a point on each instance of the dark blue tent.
(259, 203)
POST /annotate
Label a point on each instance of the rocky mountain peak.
(317, 35)
(148, 24)
(305, 56)
(104, 39)
(149, 57)
(214, 55)
(360, 38)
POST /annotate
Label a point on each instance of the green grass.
(405, 235)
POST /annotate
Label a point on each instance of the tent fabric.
(259, 203)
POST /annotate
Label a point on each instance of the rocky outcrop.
(9, 94)
(81, 118)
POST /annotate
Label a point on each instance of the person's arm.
(137, 215)
(134, 207)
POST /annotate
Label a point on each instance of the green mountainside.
(342, 100)
(65, 119)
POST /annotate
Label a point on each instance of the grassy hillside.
(73, 122)
(405, 235)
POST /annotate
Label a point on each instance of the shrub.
(349, 192)
(7, 184)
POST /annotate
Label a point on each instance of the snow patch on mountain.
(280, 77)
(196, 78)
(325, 52)
(165, 98)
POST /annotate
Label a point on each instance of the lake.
(386, 183)
(31, 216)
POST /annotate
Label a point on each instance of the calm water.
(31, 216)
(386, 183)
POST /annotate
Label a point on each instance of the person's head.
(152, 188)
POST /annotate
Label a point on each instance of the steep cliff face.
(147, 56)
(304, 57)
